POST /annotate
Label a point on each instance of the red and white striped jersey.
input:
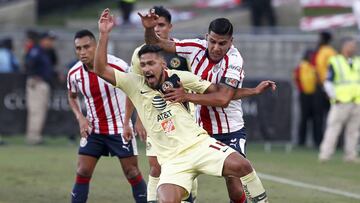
(215, 120)
(105, 104)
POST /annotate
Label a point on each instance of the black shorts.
(104, 145)
(236, 140)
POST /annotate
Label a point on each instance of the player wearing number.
(218, 61)
(173, 61)
(102, 127)
(177, 138)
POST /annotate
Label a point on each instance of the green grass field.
(46, 174)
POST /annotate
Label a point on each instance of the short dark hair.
(163, 12)
(325, 37)
(147, 48)
(221, 26)
(84, 33)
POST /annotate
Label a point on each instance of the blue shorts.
(104, 145)
(236, 140)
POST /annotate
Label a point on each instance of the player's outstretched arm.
(149, 21)
(260, 88)
(105, 24)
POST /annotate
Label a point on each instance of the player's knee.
(164, 198)
(131, 172)
(155, 171)
(84, 171)
(243, 167)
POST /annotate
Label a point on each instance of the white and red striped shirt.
(215, 120)
(105, 104)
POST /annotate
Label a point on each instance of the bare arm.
(127, 130)
(85, 128)
(215, 95)
(260, 88)
(101, 68)
(149, 22)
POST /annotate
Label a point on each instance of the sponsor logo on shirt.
(164, 115)
(168, 125)
(232, 82)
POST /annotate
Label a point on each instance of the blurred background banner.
(326, 14)
(60, 120)
(267, 117)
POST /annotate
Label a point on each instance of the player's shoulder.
(234, 55)
(117, 63)
(196, 42)
(137, 49)
(75, 67)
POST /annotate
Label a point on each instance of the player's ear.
(206, 36)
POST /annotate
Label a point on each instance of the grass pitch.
(46, 174)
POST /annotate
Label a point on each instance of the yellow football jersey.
(171, 127)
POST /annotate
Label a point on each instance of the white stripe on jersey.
(105, 104)
(215, 120)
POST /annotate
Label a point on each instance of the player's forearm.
(129, 109)
(245, 92)
(75, 107)
(100, 62)
(211, 99)
(151, 37)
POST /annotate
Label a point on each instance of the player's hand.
(149, 20)
(140, 130)
(176, 94)
(106, 21)
(85, 127)
(127, 132)
(264, 85)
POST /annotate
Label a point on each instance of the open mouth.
(150, 78)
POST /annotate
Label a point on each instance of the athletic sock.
(80, 190)
(253, 188)
(151, 188)
(138, 187)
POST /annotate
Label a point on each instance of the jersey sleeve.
(118, 64)
(234, 74)
(135, 62)
(71, 83)
(192, 82)
(127, 82)
(189, 47)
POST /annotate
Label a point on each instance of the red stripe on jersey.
(118, 105)
(205, 119)
(199, 64)
(98, 102)
(205, 73)
(226, 64)
(116, 67)
(218, 121)
(189, 44)
(111, 108)
(87, 98)
(183, 52)
(69, 75)
(192, 62)
(227, 122)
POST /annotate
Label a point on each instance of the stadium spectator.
(306, 81)
(324, 52)
(31, 38)
(343, 88)
(175, 135)
(101, 129)
(40, 72)
(173, 61)
(126, 7)
(8, 61)
(217, 61)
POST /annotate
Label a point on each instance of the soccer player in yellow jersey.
(184, 149)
